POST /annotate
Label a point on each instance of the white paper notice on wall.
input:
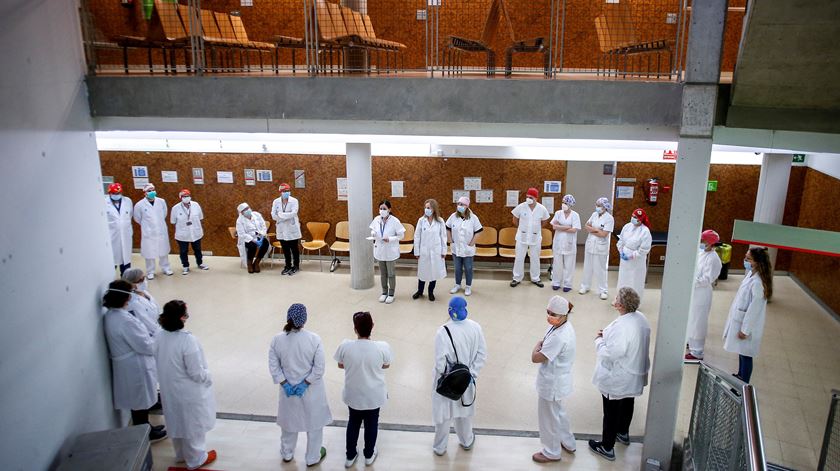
(198, 176)
(139, 183)
(169, 176)
(456, 194)
(341, 183)
(548, 202)
(397, 189)
(300, 179)
(624, 192)
(250, 177)
(511, 198)
(246, 3)
(139, 171)
(264, 176)
(484, 196)
(472, 183)
(552, 186)
(224, 177)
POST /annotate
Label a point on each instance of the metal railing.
(830, 453)
(725, 430)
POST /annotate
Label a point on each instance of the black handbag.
(456, 378)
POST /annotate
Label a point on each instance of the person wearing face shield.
(284, 211)
(707, 271)
(150, 214)
(187, 216)
(118, 210)
(386, 231)
(633, 246)
(555, 354)
(529, 218)
(251, 233)
(597, 249)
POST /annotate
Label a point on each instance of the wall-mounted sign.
(711, 185)
(669, 155)
(798, 158)
(250, 177)
(198, 176)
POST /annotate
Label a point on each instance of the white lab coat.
(430, 246)
(530, 223)
(181, 215)
(746, 314)
(248, 229)
(132, 361)
(146, 310)
(154, 233)
(707, 271)
(394, 230)
(294, 357)
(555, 379)
(186, 389)
(286, 216)
(472, 351)
(622, 357)
(634, 242)
(463, 230)
(565, 243)
(120, 228)
(599, 245)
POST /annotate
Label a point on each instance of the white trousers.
(463, 429)
(190, 450)
(555, 428)
(164, 264)
(533, 252)
(314, 441)
(595, 265)
(563, 269)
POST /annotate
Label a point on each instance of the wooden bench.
(617, 39)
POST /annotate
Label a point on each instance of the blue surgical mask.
(427, 212)
(151, 195)
(247, 213)
(747, 266)
(286, 194)
(702, 247)
(635, 221)
(599, 210)
(116, 197)
(462, 209)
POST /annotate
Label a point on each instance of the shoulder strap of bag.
(453, 344)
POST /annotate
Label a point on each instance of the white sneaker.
(467, 291)
(583, 291)
(383, 298)
(185, 270)
(389, 300)
(350, 463)
(369, 461)
(168, 272)
(150, 276)
(603, 296)
(204, 267)
(454, 289)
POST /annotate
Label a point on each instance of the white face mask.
(599, 210)
(565, 207)
(186, 199)
(428, 212)
(142, 286)
(702, 247)
(383, 213)
(635, 221)
(529, 200)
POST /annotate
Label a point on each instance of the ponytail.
(290, 326)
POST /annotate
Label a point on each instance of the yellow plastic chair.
(407, 243)
(485, 243)
(507, 242)
(318, 231)
(547, 253)
(241, 249)
(341, 244)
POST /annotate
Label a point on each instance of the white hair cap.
(148, 187)
(558, 305)
(242, 207)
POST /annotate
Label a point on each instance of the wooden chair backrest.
(359, 24)
(209, 26)
(170, 22)
(547, 237)
(498, 10)
(507, 237)
(409, 233)
(614, 27)
(368, 26)
(232, 231)
(225, 26)
(338, 26)
(185, 12)
(342, 230)
(489, 236)
(318, 230)
(239, 28)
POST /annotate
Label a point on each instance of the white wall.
(828, 164)
(54, 250)
(587, 182)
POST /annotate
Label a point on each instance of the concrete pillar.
(772, 191)
(692, 172)
(360, 213)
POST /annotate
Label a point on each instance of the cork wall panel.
(318, 201)
(435, 178)
(820, 202)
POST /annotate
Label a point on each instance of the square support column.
(359, 214)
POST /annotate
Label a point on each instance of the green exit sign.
(711, 185)
(798, 158)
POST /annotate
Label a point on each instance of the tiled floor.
(235, 315)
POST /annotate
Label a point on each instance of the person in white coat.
(132, 358)
(597, 249)
(119, 209)
(467, 340)
(529, 218)
(150, 214)
(186, 216)
(251, 233)
(186, 387)
(566, 224)
(463, 227)
(284, 211)
(633, 246)
(142, 304)
(705, 274)
(296, 362)
(430, 249)
(555, 354)
(364, 362)
(621, 370)
(386, 231)
(745, 324)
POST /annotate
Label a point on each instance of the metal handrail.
(753, 441)
(832, 413)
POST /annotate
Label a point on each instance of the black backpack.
(456, 378)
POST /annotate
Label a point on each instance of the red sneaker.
(689, 358)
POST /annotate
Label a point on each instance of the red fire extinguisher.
(127, 3)
(652, 191)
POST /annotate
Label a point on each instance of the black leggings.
(251, 249)
(618, 413)
(291, 252)
(422, 285)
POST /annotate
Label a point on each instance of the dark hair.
(170, 318)
(571, 306)
(363, 323)
(290, 326)
(385, 202)
(113, 299)
(763, 268)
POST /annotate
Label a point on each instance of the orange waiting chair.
(341, 244)
(318, 231)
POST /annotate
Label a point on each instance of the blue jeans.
(745, 367)
(463, 264)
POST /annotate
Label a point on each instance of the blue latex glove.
(623, 257)
(301, 388)
(258, 241)
(289, 389)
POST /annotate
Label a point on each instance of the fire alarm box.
(127, 3)
(651, 189)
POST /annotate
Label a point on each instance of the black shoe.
(514, 283)
(158, 428)
(416, 295)
(538, 283)
(293, 271)
(157, 435)
(286, 271)
(598, 447)
(431, 296)
(623, 438)
(156, 406)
